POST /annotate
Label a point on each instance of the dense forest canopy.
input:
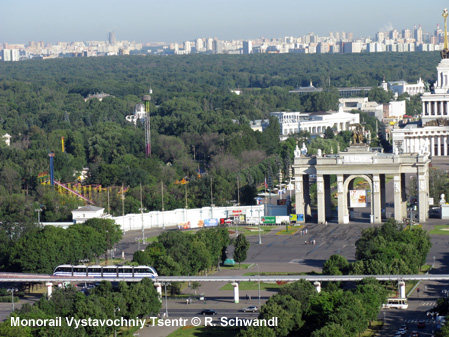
(199, 128)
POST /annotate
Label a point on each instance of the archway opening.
(359, 199)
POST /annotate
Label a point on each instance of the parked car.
(251, 308)
(414, 334)
(208, 312)
(421, 324)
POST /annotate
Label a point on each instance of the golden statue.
(445, 52)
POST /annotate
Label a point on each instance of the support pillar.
(383, 202)
(397, 200)
(158, 287)
(341, 200)
(401, 289)
(423, 203)
(321, 202)
(376, 200)
(300, 197)
(439, 146)
(236, 292)
(317, 286)
(49, 289)
(432, 146)
(327, 196)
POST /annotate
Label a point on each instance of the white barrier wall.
(158, 219)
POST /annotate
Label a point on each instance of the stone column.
(299, 194)
(327, 196)
(321, 202)
(432, 146)
(341, 199)
(397, 198)
(445, 145)
(423, 204)
(376, 199)
(439, 145)
(236, 291)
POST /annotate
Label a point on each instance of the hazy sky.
(179, 20)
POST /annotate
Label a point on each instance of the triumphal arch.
(358, 160)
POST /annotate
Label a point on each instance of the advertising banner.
(269, 219)
(211, 222)
(357, 198)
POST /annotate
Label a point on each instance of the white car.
(251, 308)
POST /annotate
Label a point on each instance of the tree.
(336, 265)
(241, 248)
(331, 329)
(329, 133)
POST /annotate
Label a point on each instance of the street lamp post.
(258, 283)
(38, 210)
(166, 307)
(260, 237)
(115, 329)
(12, 290)
(433, 262)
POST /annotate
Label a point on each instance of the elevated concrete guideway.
(23, 278)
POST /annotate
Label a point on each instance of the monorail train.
(105, 271)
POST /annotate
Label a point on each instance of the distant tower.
(147, 99)
(111, 38)
(52, 175)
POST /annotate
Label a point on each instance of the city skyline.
(177, 21)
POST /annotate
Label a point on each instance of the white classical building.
(315, 122)
(400, 87)
(432, 136)
(82, 214)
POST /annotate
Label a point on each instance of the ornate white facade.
(432, 137)
(315, 123)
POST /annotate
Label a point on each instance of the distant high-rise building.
(380, 37)
(217, 46)
(247, 47)
(350, 36)
(187, 47)
(199, 45)
(111, 38)
(343, 35)
(394, 34)
(15, 55)
(418, 35)
(209, 44)
(6, 55)
(406, 33)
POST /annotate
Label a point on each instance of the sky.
(22, 21)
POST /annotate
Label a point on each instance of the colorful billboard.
(211, 222)
(357, 198)
(269, 219)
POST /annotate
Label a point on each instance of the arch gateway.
(358, 160)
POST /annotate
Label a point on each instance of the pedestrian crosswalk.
(427, 321)
(428, 304)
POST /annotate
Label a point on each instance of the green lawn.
(251, 230)
(202, 331)
(236, 266)
(246, 285)
(291, 230)
(440, 230)
(277, 273)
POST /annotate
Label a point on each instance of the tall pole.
(238, 189)
(123, 208)
(185, 185)
(162, 191)
(166, 307)
(260, 237)
(258, 283)
(141, 212)
(211, 193)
